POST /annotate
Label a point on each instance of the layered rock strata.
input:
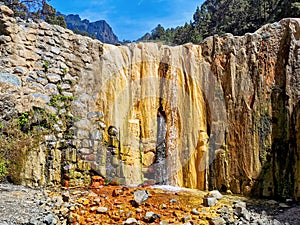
(223, 114)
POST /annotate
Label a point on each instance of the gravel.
(26, 206)
(20, 205)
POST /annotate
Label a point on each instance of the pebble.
(188, 223)
(217, 221)
(186, 218)
(140, 196)
(64, 211)
(150, 217)
(242, 212)
(215, 194)
(195, 212)
(163, 206)
(209, 201)
(139, 210)
(101, 209)
(240, 204)
(283, 205)
(129, 214)
(276, 222)
(65, 196)
(131, 221)
(49, 219)
(272, 202)
(93, 209)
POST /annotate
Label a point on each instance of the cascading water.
(156, 98)
(160, 161)
(114, 169)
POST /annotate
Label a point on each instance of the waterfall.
(160, 161)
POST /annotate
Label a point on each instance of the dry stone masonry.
(225, 112)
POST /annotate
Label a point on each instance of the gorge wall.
(223, 114)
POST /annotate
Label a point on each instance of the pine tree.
(35, 9)
(158, 32)
(227, 16)
(49, 14)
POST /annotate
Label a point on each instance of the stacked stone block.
(42, 62)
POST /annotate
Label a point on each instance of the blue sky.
(131, 19)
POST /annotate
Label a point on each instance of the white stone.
(101, 209)
(53, 78)
(130, 221)
(216, 194)
(209, 201)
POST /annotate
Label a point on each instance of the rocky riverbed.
(138, 205)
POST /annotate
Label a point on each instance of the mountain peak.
(100, 29)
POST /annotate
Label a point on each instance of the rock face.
(220, 115)
(100, 29)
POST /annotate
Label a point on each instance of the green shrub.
(23, 119)
(46, 66)
(3, 168)
(65, 70)
(60, 101)
(19, 136)
(13, 147)
(26, 132)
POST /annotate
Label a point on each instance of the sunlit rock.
(222, 115)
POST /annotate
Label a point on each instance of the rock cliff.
(99, 29)
(223, 114)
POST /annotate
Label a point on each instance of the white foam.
(169, 188)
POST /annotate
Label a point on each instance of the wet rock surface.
(20, 205)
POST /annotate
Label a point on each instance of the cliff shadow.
(277, 175)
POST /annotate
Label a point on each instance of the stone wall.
(229, 106)
(40, 66)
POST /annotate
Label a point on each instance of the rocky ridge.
(99, 29)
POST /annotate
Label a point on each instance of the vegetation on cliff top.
(212, 17)
(226, 16)
(35, 9)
